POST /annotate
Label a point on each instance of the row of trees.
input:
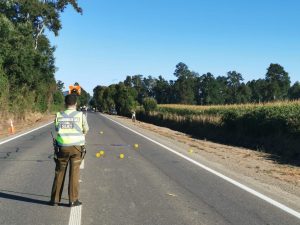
(117, 96)
(27, 63)
(58, 96)
(191, 88)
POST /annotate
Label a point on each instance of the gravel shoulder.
(254, 169)
(32, 121)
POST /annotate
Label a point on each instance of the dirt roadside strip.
(249, 167)
(32, 121)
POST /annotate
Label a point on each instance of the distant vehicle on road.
(113, 112)
(84, 109)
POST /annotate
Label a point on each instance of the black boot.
(76, 203)
(52, 203)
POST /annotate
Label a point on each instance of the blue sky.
(113, 39)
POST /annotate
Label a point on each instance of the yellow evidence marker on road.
(135, 145)
(191, 150)
(121, 156)
(98, 155)
(101, 152)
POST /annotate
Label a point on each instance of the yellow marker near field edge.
(121, 156)
(136, 146)
(98, 155)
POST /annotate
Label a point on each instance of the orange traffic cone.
(11, 128)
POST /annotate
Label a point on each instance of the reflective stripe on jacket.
(69, 128)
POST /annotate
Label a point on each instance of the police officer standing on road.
(71, 127)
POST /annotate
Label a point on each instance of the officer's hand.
(55, 158)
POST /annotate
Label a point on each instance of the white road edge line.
(75, 215)
(242, 186)
(20, 135)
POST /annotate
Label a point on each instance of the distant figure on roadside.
(71, 127)
(84, 111)
(133, 116)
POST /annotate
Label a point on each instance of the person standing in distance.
(133, 116)
(71, 127)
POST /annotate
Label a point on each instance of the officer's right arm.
(85, 125)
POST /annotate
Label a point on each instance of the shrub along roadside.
(272, 128)
(149, 104)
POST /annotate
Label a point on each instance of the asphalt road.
(150, 186)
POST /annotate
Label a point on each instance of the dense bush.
(149, 104)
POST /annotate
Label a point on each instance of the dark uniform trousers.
(67, 155)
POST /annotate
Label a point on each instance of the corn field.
(270, 127)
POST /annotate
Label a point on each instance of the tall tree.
(125, 99)
(185, 84)
(234, 80)
(148, 84)
(278, 82)
(244, 94)
(41, 14)
(208, 90)
(137, 84)
(58, 97)
(222, 90)
(128, 81)
(161, 91)
(294, 91)
(258, 90)
(109, 98)
(60, 85)
(98, 98)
